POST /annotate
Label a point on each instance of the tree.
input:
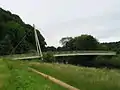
(83, 42)
(5, 45)
(113, 46)
(64, 40)
(12, 30)
(51, 48)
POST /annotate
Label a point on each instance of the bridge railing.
(19, 55)
(55, 53)
(67, 52)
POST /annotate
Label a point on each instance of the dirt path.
(65, 85)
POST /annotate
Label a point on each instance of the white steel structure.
(39, 51)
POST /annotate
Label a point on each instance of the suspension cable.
(18, 44)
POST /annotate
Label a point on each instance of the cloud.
(104, 27)
(59, 18)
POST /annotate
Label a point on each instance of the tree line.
(12, 30)
(83, 42)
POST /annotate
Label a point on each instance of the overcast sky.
(61, 18)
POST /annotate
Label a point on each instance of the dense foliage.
(114, 46)
(48, 57)
(12, 30)
(83, 42)
(87, 42)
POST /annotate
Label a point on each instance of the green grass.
(4, 73)
(14, 75)
(81, 77)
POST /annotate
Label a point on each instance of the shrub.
(107, 61)
(48, 57)
(115, 61)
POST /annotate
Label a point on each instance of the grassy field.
(81, 77)
(14, 75)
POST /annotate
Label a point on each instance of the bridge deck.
(70, 54)
(24, 58)
(85, 54)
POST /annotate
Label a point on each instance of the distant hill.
(12, 30)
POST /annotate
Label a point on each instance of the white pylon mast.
(39, 51)
(36, 42)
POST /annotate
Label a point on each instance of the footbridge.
(65, 54)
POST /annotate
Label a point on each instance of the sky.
(61, 18)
